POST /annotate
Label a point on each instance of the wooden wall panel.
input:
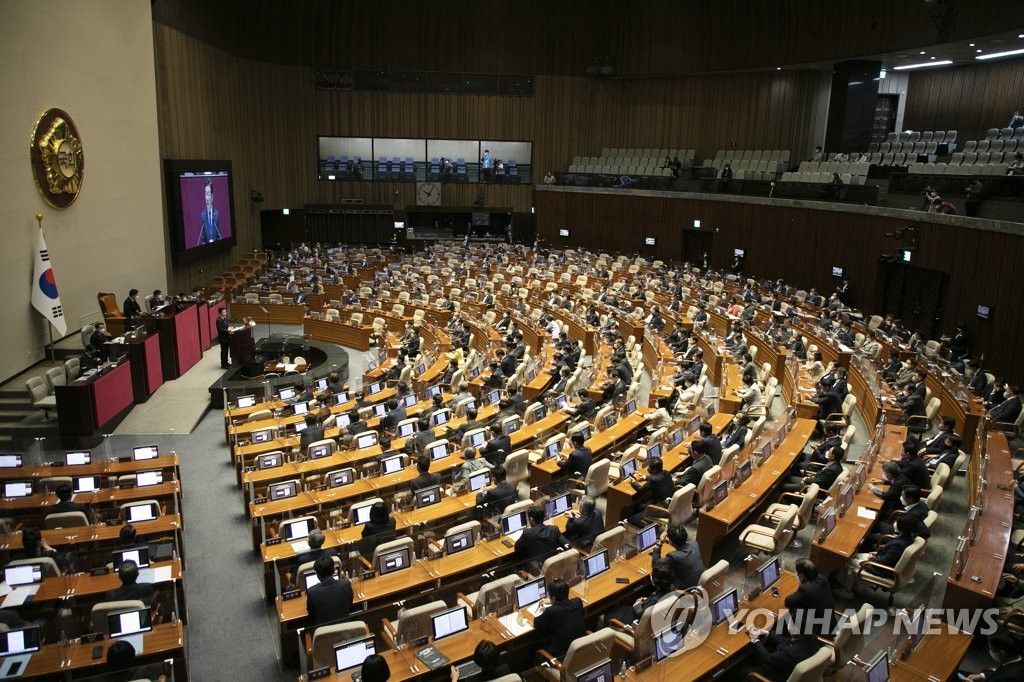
(544, 37)
(801, 245)
(969, 99)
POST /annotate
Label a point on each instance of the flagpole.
(49, 325)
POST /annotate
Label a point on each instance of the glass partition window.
(417, 159)
(345, 158)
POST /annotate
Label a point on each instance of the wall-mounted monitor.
(984, 311)
(838, 271)
(563, 232)
(649, 241)
(905, 255)
(200, 201)
(696, 223)
(739, 253)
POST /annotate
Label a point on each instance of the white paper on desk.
(290, 367)
(18, 595)
(516, 624)
(865, 513)
(160, 574)
(300, 547)
(5, 589)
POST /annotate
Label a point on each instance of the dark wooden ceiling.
(635, 37)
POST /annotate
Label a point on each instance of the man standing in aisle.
(223, 335)
(486, 164)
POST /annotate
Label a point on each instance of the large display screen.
(201, 205)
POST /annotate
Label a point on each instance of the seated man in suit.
(311, 434)
(315, 540)
(712, 446)
(812, 603)
(538, 541)
(128, 574)
(585, 524)
(947, 455)
(579, 460)
(1009, 408)
(914, 513)
(701, 463)
(824, 476)
(561, 623)
(500, 495)
(395, 414)
(661, 577)
(424, 478)
(1009, 665)
(585, 407)
(330, 600)
(683, 557)
(64, 494)
(912, 465)
(657, 487)
(498, 447)
(776, 654)
(892, 476)
(888, 554)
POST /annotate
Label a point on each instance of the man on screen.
(209, 219)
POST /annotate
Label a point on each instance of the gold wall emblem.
(58, 163)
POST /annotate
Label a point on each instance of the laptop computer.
(141, 512)
(24, 581)
(725, 606)
(647, 538)
(128, 623)
(340, 477)
(479, 480)
(366, 440)
(351, 654)
(448, 623)
(391, 465)
(768, 574)
(148, 478)
(140, 555)
(628, 467)
(86, 484)
(878, 669)
(13, 489)
(16, 649)
(595, 564)
(281, 491)
(77, 458)
(530, 593)
(246, 401)
(557, 506)
(144, 452)
(397, 560)
(459, 542)
(428, 496)
(10, 461)
(602, 672)
(513, 525)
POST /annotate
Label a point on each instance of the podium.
(242, 346)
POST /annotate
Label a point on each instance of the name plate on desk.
(272, 541)
(260, 500)
(318, 674)
(291, 594)
(92, 637)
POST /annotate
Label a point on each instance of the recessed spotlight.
(1020, 35)
(778, 68)
(933, 57)
(977, 50)
(972, 44)
(923, 52)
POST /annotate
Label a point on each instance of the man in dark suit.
(712, 446)
(516, 401)
(775, 655)
(209, 218)
(683, 557)
(578, 461)
(506, 363)
(914, 513)
(888, 554)
(131, 307)
(128, 574)
(812, 603)
(656, 488)
(561, 623)
(330, 600)
(64, 494)
(538, 541)
(912, 465)
(585, 407)
(737, 431)
(823, 477)
(223, 336)
(1009, 664)
(315, 540)
(701, 463)
(498, 447)
(937, 443)
(424, 478)
(500, 495)
(395, 414)
(586, 524)
(948, 454)
(311, 434)
(1009, 408)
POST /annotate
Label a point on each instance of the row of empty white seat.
(819, 177)
(1006, 146)
(749, 155)
(657, 154)
(946, 136)
(652, 171)
(960, 169)
(851, 167)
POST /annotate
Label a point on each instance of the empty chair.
(412, 624)
(100, 611)
(585, 652)
(72, 519)
(491, 596)
(713, 578)
(563, 565)
(768, 539)
(40, 396)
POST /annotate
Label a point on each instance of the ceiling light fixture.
(907, 67)
(994, 55)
